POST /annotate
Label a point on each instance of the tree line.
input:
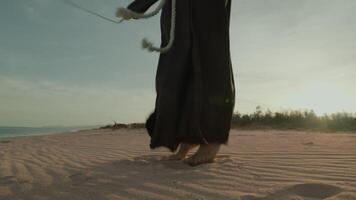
(294, 119)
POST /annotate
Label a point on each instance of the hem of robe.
(150, 123)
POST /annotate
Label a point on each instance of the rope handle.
(127, 14)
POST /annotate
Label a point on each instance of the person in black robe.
(194, 80)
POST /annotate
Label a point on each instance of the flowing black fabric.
(194, 80)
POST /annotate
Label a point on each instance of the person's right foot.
(182, 152)
(205, 154)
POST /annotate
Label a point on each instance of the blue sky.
(60, 66)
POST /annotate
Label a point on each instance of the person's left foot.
(205, 154)
(182, 152)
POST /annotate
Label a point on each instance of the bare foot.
(205, 154)
(182, 152)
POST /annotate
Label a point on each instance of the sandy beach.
(118, 165)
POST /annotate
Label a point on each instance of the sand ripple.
(256, 165)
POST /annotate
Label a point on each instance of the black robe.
(194, 81)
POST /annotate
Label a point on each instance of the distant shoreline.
(8, 132)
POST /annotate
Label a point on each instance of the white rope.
(127, 14)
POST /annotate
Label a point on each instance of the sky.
(62, 67)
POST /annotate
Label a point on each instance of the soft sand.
(256, 165)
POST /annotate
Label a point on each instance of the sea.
(9, 132)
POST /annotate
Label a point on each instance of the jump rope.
(127, 14)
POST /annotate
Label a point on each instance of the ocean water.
(7, 132)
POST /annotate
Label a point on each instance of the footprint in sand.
(307, 191)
